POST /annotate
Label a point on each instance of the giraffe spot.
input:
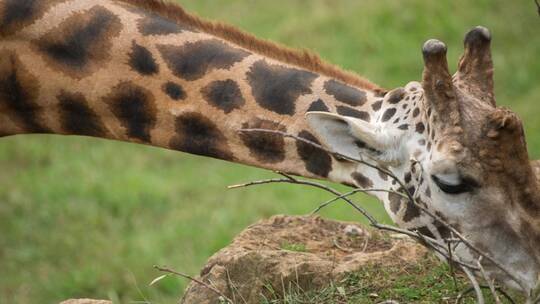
(142, 61)
(276, 88)
(19, 92)
(16, 14)
(348, 111)
(376, 106)
(416, 112)
(264, 147)
(529, 203)
(174, 90)
(76, 117)
(420, 127)
(395, 96)
(224, 95)
(395, 202)
(153, 24)
(408, 177)
(197, 134)
(388, 114)
(193, 60)
(424, 230)
(345, 93)
(411, 211)
(81, 44)
(318, 106)
(317, 160)
(443, 231)
(135, 107)
(362, 181)
(404, 127)
(382, 175)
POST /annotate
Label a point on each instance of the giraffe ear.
(350, 136)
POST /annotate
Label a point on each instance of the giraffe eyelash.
(465, 185)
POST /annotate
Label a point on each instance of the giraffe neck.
(112, 70)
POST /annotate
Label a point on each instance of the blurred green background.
(84, 217)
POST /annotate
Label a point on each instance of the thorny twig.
(429, 242)
(183, 275)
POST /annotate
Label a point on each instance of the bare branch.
(477, 289)
(350, 193)
(208, 286)
(488, 281)
(451, 265)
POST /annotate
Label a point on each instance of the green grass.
(428, 281)
(88, 218)
(298, 247)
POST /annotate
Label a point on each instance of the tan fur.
(304, 59)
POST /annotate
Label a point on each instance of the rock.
(307, 252)
(85, 301)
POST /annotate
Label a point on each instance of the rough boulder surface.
(308, 252)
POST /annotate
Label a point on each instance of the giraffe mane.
(301, 58)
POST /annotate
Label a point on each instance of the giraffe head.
(457, 153)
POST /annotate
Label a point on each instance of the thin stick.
(470, 289)
(212, 288)
(347, 194)
(488, 281)
(452, 272)
(479, 296)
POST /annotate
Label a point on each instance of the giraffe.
(147, 72)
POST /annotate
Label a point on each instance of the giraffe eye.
(463, 185)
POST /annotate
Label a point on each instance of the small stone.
(353, 230)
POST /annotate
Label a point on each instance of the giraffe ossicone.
(148, 72)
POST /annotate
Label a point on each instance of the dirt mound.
(308, 252)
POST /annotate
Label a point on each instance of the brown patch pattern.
(197, 134)
(345, 93)
(317, 161)
(362, 181)
(276, 88)
(77, 117)
(265, 147)
(135, 107)
(224, 95)
(19, 92)
(80, 45)
(195, 59)
(16, 14)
